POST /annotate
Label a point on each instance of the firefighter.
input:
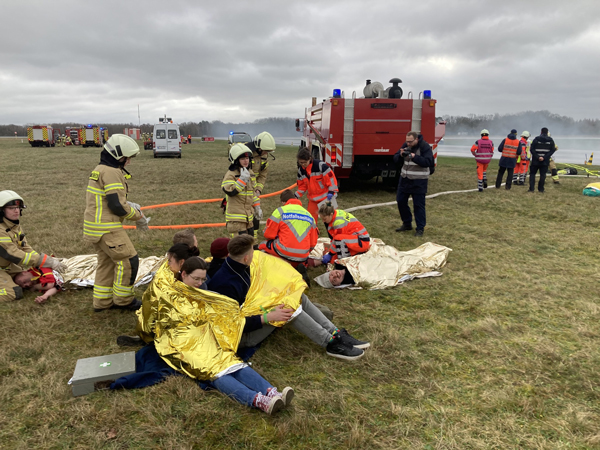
(482, 150)
(542, 148)
(189, 139)
(242, 203)
(68, 140)
(291, 233)
(15, 253)
(106, 208)
(317, 178)
(262, 145)
(522, 161)
(552, 166)
(348, 236)
(510, 148)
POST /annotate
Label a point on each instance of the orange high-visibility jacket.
(293, 231)
(318, 179)
(344, 223)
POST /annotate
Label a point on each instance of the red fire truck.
(42, 135)
(92, 136)
(358, 137)
(75, 134)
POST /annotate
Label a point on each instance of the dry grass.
(501, 352)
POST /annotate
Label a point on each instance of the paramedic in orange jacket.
(291, 231)
(317, 178)
(348, 236)
(522, 161)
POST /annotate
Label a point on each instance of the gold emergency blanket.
(197, 332)
(383, 266)
(81, 269)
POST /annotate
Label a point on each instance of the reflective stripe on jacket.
(483, 150)
(412, 170)
(259, 165)
(318, 179)
(15, 252)
(293, 231)
(510, 148)
(345, 223)
(241, 197)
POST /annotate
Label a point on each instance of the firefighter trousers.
(118, 265)
(9, 290)
(236, 228)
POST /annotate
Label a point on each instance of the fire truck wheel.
(52, 145)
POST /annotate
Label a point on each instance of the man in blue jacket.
(418, 164)
(542, 148)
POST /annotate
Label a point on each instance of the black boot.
(301, 268)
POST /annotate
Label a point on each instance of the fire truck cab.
(358, 137)
(92, 136)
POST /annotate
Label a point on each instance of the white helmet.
(121, 145)
(238, 150)
(10, 198)
(265, 141)
(525, 134)
(484, 131)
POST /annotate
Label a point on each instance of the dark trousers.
(532, 171)
(404, 209)
(509, 177)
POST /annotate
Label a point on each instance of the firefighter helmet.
(265, 141)
(121, 145)
(485, 132)
(238, 150)
(525, 134)
(11, 198)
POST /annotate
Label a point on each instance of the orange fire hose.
(189, 202)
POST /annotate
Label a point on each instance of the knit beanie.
(218, 248)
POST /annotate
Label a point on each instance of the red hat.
(218, 248)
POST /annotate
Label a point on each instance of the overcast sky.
(95, 61)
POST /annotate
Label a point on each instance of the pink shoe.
(287, 395)
(267, 404)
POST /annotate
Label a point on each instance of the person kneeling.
(233, 280)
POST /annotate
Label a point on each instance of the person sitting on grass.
(233, 280)
(193, 272)
(39, 280)
(186, 236)
(218, 251)
(348, 236)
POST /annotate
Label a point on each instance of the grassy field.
(500, 352)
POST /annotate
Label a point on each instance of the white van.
(166, 139)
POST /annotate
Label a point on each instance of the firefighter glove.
(326, 259)
(135, 206)
(258, 212)
(245, 175)
(53, 264)
(142, 224)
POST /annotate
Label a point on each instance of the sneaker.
(339, 349)
(405, 227)
(129, 341)
(270, 405)
(352, 341)
(419, 233)
(287, 395)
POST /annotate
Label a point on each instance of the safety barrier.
(190, 202)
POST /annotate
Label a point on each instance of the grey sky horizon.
(86, 62)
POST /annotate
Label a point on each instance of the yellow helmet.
(121, 145)
(238, 150)
(265, 141)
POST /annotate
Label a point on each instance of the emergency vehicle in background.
(358, 137)
(133, 133)
(42, 135)
(238, 137)
(92, 136)
(75, 134)
(166, 138)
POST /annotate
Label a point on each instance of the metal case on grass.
(91, 371)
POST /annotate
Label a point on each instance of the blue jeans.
(242, 385)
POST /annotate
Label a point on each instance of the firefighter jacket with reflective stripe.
(543, 146)
(510, 147)
(293, 231)
(318, 179)
(483, 150)
(260, 166)
(15, 253)
(345, 223)
(98, 218)
(241, 198)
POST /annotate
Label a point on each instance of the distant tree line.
(532, 121)
(470, 125)
(277, 126)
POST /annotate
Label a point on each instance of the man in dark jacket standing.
(510, 147)
(542, 148)
(418, 162)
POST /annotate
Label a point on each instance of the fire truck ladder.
(417, 113)
(348, 132)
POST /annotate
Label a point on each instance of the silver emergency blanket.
(81, 270)
(384, 266)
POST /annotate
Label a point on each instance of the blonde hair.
(326, 209)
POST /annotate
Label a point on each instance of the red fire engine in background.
(42, 135)
(358, 137)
